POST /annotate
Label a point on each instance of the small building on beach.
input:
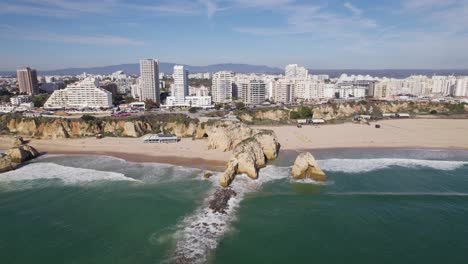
(160, 138)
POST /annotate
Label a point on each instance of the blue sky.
(320, 34)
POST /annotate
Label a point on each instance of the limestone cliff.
(306, 167)
(49, 128)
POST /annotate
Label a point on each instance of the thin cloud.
(356, 11)
(9, 32)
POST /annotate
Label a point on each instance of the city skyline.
(423, 34)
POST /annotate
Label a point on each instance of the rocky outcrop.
(269, 143)
(219, 203)
(306, 167)
(225, 136)
(250, 155)
(18, 141)
(15, 156)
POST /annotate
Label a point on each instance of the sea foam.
(200, 232)
(67, 175)
(366, 165)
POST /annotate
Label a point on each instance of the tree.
(218, 106)
(193, 110)
(39, 100)
(88, 118)
(433, 112)
(294, 115)
(337, 95)
(305, 112)
(150, 104)
(227, 107)
(240, 106)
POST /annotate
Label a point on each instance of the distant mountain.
(167, 68)
(392, 73)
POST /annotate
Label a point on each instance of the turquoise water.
(379, 206)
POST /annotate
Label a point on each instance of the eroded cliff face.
(65, 128)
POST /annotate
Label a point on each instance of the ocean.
(378, 206)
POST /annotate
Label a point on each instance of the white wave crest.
(68, 175)
(366, 165)
(200, 232)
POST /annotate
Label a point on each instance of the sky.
(318, 34)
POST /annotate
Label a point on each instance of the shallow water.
(384, 206)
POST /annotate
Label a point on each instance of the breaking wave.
(67, 175)
(366, 165)
(200, 232)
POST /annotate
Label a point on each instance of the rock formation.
(16, 155)
(250, 155)
(306, 167)
(225, 136)
(219, 203)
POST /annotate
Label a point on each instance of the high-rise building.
(149, 80)
(221, 90)
(255, 92)
(461, 89)
(294, 71)
(283, 91)
(180, 88)
(27, 81)
(85, 94)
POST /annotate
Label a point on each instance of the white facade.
(256, 92)
(85, 94)
(180, 87)
(461, 88)
(294, 71)
(20, 99)
(190, 101)
(149, 80)
(221, 90)
(283, 91)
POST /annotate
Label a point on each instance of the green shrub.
(294, 115)
(433, 112)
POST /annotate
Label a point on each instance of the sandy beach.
(187, 152)
(420, 133)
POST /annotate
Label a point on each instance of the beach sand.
(419, 133)
(402, 133)
(187, 152)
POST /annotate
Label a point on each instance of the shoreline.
(199, 163)
(424, 134)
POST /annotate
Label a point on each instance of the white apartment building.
(221, 89)
(314, 90)
(254, 92)
(85, 94)
(329, 90)
(283, 91)
(180, 89)
(149, 80)
(461, 88)
(443, 85)
(190, 101)
(294, 71)
(20, 99)
(382, 90)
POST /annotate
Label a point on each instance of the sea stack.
(306, 167)
(250, 155)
